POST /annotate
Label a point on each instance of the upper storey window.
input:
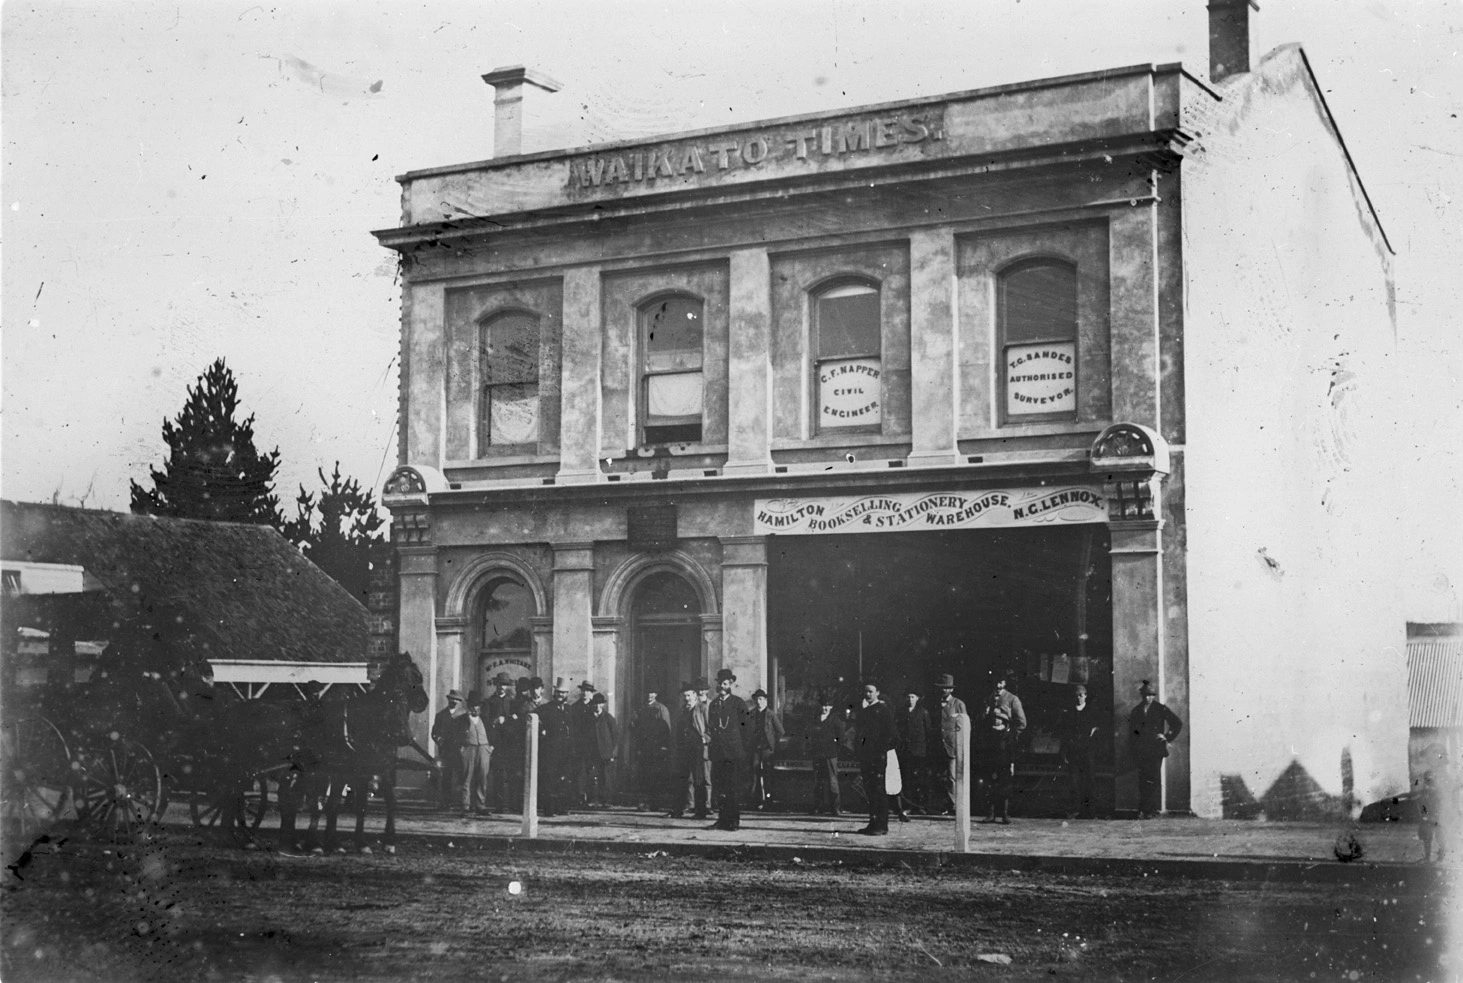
(1037, 316)
(672, 388)
(847, 357)
(509, 407)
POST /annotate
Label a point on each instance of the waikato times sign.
(916, 512)
(776, 151)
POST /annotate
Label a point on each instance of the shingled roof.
(250, 594)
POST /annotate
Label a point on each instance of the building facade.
(963, 384)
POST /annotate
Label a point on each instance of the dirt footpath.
(175, 909)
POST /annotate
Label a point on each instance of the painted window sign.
(914, 511)
(1041, 378)
(848, 391)
(798, 145)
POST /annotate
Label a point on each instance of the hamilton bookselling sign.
(915, 511)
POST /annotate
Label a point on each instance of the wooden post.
(962, 783)
(530, 779)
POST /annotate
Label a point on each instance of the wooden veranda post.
(530, 779)
(962, 783)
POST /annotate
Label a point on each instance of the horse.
(353, 741)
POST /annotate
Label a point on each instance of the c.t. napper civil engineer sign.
(913, 512)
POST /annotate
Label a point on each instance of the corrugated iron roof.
(1435, 681)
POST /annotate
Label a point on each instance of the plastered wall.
(1298, 695)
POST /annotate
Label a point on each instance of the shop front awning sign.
(922, 512)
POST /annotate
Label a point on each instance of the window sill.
(841, 440)
(507, 460)
(1034, 429)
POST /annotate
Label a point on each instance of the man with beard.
(693, 762)
(556, 752)
(650, 733)
(727, 720)
(875, 737)
(506, 738)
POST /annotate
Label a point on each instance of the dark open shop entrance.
(905, 607)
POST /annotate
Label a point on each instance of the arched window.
(847, 357)
(1036, 309)
(671, 392)
(503, 630)
(508, 411)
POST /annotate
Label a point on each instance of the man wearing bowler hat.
(692, 760)
(556, 752)
(949, 707)
(1151, 728)
(447, 729)
(875, 736)
(727, 720)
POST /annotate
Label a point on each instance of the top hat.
(725, 674)
(587, 686)
(701, 683)
(761, 692)
(1147, 689)
(454, 694)
(503, 679)
(945, 681)
(560, 683)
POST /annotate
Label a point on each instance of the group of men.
(713, 752)
(578, 743)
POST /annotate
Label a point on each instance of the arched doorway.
(501, 637)
(665, 625)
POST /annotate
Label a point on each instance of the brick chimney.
(1229, 37)
(508, 82)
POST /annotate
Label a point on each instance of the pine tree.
(337, 531)
(213, 470)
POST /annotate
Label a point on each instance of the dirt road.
(174, 909)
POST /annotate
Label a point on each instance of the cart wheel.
(207, 808)
(38, 776)
(121, 788)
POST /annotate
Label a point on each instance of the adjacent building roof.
(1435, 680)
(250, 594)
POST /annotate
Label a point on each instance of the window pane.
(673, 334)
(848, 321)
(1039, 303)
(665, 593)
(1041, 378)
(510, 349)
(512, 414)
(506, 611)
(848, 393)
(673, 398)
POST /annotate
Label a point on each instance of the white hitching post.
(962, 783)
(530, 779)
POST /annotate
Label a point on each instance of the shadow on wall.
(1294, 795)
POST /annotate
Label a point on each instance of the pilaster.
(749, 372)
(580, 419)
(1137, 619)
(934, 381)
(744, 609)
(573, 631)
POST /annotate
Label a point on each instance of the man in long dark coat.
(507, 740)
(650, 735)
(729, 723)
(874, 738)
(913, 725)
(1078, 732)
(556, 752)
(1151, 728)
(447, 729)
(825, 740)
(766, 734)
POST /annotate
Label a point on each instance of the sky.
(188, 181)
